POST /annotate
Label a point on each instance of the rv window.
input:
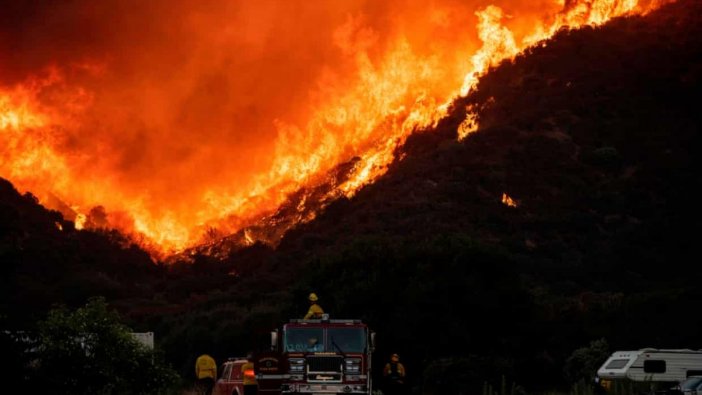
(654, 366)
(617, 364)
(691, 373)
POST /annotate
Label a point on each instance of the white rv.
(652, 365)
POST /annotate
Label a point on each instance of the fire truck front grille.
(324, 364)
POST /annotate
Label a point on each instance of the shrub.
(583, 363)
(88, 351)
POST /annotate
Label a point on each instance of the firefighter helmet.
(395, 358)
(313, 297)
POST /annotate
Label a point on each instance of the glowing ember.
(508, 201)
(80, 221)
(469, 125)
(202, 137)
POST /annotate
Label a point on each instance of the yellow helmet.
(313, 297)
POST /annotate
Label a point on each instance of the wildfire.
(508, 201)
(168, 144)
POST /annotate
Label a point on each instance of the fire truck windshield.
(344, 340)
(304, 339)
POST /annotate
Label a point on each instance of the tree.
(584, 362)
(88, 351)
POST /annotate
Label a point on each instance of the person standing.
(205, 373)
(394, 374)
(249, 376)
(315, 311)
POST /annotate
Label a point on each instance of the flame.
(176, 151)
(508, 201)
(498, 44)
(80, 221)
(27, 136)
(247, 238)
(469, 125)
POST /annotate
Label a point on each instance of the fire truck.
(319, 356)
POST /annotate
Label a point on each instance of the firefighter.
(315, 311)
(313, 344)
(394, 374)
(205, 373)
(247, 372)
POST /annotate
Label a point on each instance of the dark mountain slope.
(45, 260)
(596, 135)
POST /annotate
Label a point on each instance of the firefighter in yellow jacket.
(394, 374)
(315, 311)
(249, 376)
(205, 373)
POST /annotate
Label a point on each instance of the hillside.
(594, 134)
(45, 260)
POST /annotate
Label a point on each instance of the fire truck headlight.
(297, 365)
(352, 365)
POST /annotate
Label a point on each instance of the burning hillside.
(184, 123)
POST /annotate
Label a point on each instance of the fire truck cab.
(321, 356)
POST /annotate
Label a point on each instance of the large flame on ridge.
(166, 119)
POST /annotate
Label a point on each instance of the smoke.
(175, 106)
